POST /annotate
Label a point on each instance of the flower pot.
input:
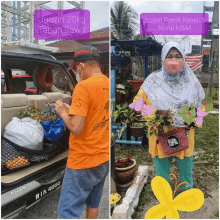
(125, 175)
(205, 85)
(216, 106)
(125, 98)
(123, 187)
(112, 159)
(136, 84)
(216, 85)
(119, 98)
(137, 131)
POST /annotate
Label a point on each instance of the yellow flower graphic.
(187, 201)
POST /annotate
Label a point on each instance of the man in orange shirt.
(88, 120)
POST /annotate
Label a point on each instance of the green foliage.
(123, 21)
(161, 121)
(124, 113)
(128, 87)
(188, 114)
(138, 125)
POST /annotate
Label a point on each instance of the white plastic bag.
(25, 132)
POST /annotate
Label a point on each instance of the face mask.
(78, 78)
(173, 66)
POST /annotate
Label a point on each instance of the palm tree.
(123, 21)
(142, 37)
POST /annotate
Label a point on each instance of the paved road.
(47, 207)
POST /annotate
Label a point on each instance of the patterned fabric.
(173, 91)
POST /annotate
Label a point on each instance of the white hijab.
(173, 91)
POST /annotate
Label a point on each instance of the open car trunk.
(22, 187)
(16, 98)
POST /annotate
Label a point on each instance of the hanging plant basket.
(136, 84)
(205, 85)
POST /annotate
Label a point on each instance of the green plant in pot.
(120, 96)
(138, 129)
(124, 114)
(129, 89)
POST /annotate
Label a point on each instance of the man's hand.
(67, 106)
(62, 109)
(75, 123)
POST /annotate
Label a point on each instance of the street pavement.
(46, 208)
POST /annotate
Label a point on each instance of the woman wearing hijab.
(173, 87)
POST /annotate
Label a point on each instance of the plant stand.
(127, 139)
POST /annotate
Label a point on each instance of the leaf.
(125, 105)
(165, 128)
(209, 107)
(193, 113)
(192, 106)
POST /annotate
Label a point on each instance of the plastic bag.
(53, 130)
(25, 132)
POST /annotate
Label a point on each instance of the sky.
(170, 7)
(99, 12)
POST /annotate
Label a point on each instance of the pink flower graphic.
(200, 115)
(137, 106)
(147, 110)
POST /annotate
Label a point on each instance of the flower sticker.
(137, 106)
(200, 114)
(146, 110)
(187, 201)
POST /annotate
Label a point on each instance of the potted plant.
(205, 85)
(216, 85)
(137, 129)
(128, 89)
(125, 169)
(121, 94)
(216, 104)
(136, 82)
(124, 114)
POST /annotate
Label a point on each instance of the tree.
(142, 37)
(123, 21)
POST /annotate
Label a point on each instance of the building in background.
(210, 42)
(215, 36)
(17, 26)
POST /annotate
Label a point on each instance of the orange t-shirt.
(91, 147)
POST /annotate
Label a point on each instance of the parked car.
(22, 188)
